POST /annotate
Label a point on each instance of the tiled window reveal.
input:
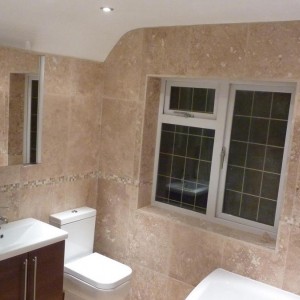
(221, 150)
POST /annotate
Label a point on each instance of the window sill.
(259, 240)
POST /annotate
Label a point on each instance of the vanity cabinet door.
(13, 278)
(45, 276)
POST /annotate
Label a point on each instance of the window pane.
(188, 99)
(184, 166)
(255, 155)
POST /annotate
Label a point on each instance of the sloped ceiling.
(78, 28)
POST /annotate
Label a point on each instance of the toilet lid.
(99, 271)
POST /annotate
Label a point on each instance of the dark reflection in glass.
(184, 166)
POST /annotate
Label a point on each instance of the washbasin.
(25, 235)
(224, 285)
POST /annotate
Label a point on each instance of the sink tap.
(3, 220)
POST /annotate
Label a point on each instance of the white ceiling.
(78, 28)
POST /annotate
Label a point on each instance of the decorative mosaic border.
(66, 179)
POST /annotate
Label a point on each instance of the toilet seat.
(99, 271)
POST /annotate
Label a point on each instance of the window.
(221, 149)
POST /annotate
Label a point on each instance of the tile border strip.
(66, 179)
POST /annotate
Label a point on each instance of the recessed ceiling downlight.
(107, 9)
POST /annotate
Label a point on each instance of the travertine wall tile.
(35, 203)
(149, 230)
(217, 50)
(176, 43)
(59, 76)
(122, 70)
(113, 207)
(88, 78)
(273, 51)
(148, 284)
(257, 262)
(194, 254)
(83, 134)
(177, 290)
(118, 135)
(150, 127)
(56, 116)
(153, 50)
(138, 139)
(292, 270)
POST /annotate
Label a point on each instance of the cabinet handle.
(25, 278)
(34, 277)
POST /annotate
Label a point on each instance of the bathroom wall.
(67, 176)
(171, 253)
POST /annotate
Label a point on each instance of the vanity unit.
(31, 261)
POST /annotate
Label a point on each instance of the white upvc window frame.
(258, 87)
(221, 122)
(190, 84)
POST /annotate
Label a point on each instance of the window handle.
(223, 153)
(184, 114)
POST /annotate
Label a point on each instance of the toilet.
(88, 275)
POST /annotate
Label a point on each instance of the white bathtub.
(224, 285)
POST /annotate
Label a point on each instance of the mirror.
(20, 139)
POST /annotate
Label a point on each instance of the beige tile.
(148, 285)
(122, 68)
(217, 50)
(256, 262)
(9, 174)
(149, 130)
(88, 78)
(70, 195)
(22, 62)
(177, 290)
(138, 139)
(34, 172)
(150, 240)
(165, 50)
(118, 133)
(292, 267)
(290, 190)
(144, 196)
(58, 202)
(267, 53)
(9, 205)
(35, 203)
(195, 253)
(59, 75)
(153, 50)
(176, 56)
(55, 133)
(83, 135)
(81, 193)
(113, 219)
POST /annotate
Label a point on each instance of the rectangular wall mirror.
(22, 99)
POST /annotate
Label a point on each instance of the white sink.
(26, 235)
(224, 285)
